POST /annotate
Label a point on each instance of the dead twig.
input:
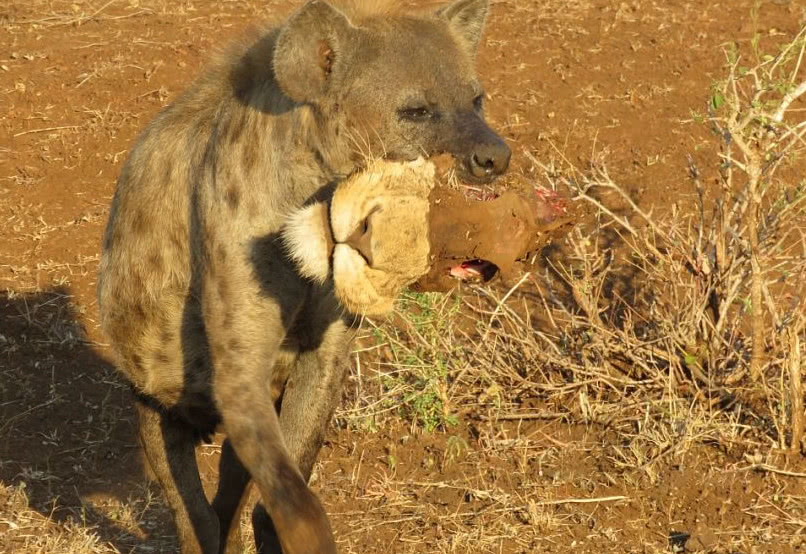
(771, 469)
(45, 129)
(796, 384)
(581, 500)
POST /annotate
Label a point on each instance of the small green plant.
(427, 403)
(416, 381)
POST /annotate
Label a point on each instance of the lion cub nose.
(360, 240)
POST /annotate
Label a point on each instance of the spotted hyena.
(210, 322)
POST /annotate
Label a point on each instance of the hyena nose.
(490, 159)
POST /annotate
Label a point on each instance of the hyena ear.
(308, 50)
(466, 18)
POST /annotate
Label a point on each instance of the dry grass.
(602, 403)
(644, 326)
(26, 530)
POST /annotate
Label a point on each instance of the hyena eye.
(478, 102)
(419, 113)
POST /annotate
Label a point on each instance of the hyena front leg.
(311, 394)
(247, 319)
(253, 427)
(169, 446)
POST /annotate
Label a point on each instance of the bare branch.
(788, 98)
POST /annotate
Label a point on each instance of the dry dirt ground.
(568, 81)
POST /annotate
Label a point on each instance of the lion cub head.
(373, 237)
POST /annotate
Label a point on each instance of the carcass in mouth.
(479, 233)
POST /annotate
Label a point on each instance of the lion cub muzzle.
(373, 239)
(360, 240)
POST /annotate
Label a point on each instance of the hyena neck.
(299, 146)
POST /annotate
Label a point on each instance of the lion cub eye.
(478, 102)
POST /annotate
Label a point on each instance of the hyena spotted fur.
(210, 322)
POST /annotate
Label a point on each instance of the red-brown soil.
(566, 80)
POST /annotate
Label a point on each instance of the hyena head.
(405, 84)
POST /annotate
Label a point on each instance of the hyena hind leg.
(266, 540)
(169, 447)
(233, 480)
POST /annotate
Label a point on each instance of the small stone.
(678, 540)
(704, 538)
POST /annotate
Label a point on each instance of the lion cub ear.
(309, 49)
(309, 241)
(466, 18)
